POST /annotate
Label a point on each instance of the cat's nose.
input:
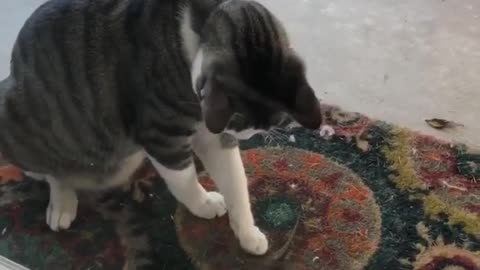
(311, 119)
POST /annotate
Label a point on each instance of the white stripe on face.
(197, 68)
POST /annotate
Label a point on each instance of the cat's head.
(251, 79)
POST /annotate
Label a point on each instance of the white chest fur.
(191, 43)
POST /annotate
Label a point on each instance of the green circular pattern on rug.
(278, 213)
(338, 219)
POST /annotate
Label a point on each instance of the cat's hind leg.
(62, 207)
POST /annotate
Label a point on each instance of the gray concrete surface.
(399, 61)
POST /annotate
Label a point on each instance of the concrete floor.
(399, 61)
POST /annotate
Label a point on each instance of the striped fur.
(95, 81)
(97, 86)
(249, 65)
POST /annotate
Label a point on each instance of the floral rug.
(373, 196)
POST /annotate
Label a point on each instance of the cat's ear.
(307, 108)
(217, 110)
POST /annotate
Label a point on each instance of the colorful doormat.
(371, 197)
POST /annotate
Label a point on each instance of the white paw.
(213, 206)
(253, 241)
(62, 211)
(326, 131)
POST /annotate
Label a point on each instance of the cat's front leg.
(224, 164)
(183, 183)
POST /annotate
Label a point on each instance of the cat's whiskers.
(274, 136)
(267, 137)
(278, 133)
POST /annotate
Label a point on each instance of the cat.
(97, 86)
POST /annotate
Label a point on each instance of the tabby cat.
(97, 86)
